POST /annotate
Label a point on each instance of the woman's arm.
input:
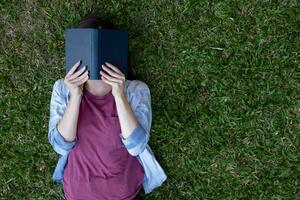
(75, 83)
(68, 124)
(135, 118)
(127, 118)
(57, 109)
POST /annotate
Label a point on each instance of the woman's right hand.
(75, 81)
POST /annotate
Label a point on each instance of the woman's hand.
(75, 81)
(114, 77)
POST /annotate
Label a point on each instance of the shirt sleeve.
(141, 107)
(57, 109)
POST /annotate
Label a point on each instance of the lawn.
(224, 78)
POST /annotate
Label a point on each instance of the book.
(94, 47)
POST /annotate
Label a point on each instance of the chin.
(96, 81)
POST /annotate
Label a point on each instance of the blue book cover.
(94, 47)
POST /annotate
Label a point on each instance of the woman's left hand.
(114, 77)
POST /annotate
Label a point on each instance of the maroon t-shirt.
(99, 166)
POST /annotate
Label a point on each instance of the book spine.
(94, 68)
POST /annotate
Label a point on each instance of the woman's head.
(95, 21)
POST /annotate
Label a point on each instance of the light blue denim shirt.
(138, 96)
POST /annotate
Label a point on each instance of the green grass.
(224, 78)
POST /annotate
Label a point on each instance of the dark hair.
(97, 20)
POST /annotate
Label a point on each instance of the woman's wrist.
(75, 96)
(120, 97)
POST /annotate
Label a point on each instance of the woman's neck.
(97, 87)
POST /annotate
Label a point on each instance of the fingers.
(113, 67)
(106, 76)
(82, 80)
(81, 77)
(72, 70)
(111, 73)
(114, 84)
(73, 76)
